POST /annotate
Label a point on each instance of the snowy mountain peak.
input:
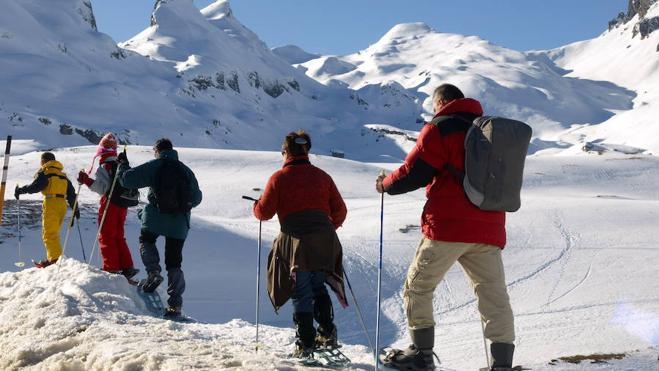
(406, 30)
(219, 9)
(165, 10)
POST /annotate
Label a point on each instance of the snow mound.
(77, 317)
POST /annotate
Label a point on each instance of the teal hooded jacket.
(168, 225)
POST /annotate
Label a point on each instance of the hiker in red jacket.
(453, 229)
(307, 253)
(112, 242)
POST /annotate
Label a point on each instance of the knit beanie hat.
(107, 147)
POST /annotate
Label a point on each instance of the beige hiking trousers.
(484, 267)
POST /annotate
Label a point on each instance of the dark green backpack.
(172, 188)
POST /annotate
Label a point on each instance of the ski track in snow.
(573, 288)
(570, 242)
(564, 253)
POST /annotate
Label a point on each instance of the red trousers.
(112, 242)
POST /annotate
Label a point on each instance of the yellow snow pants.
(54, 211)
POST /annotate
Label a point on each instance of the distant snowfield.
(629, 61)
(580, 263)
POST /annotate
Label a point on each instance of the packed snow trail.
(605, 207)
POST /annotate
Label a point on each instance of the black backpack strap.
(451, 124)
(111, 173)
(459, 175)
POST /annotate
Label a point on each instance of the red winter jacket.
(447, 215)
(300, 186)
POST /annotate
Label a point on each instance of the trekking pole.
(105, 213)
(82, 246)
(20, 263)
(487, 354)
(258, 285)
(359, 311)
(70, 224)
(5, 169)
(379, 296)
(258, 276)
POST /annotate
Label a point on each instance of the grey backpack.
(495, 151)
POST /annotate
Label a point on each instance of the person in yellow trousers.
(57, 190)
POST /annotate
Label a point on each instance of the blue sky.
(343, 27)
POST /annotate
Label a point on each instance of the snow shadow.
(220, 272)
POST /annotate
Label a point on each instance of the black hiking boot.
(418, 356)
(502, 356)
(323, 313)
(152, 282)
(327, 339)
(172, 312)
(305, 332)
(44, 263)
(302, 352)
(130, 272)
(410, 359)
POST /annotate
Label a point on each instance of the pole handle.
(250, 198)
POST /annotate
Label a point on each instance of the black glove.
(76, 212)
(17, 192)
(122, 158)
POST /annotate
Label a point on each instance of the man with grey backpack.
(173, 192)
(471, 167)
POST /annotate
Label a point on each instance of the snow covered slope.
(507, 82)
(580, 266)
(294, 54)
(629, 58)
(202, 79)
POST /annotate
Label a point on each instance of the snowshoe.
(174, 314)
(44, 263)
(151, 283)
(410, 359)
(331, 357)
(152, 300)
(304, 356)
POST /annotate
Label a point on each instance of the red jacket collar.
(296, 160)
(464, 105)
